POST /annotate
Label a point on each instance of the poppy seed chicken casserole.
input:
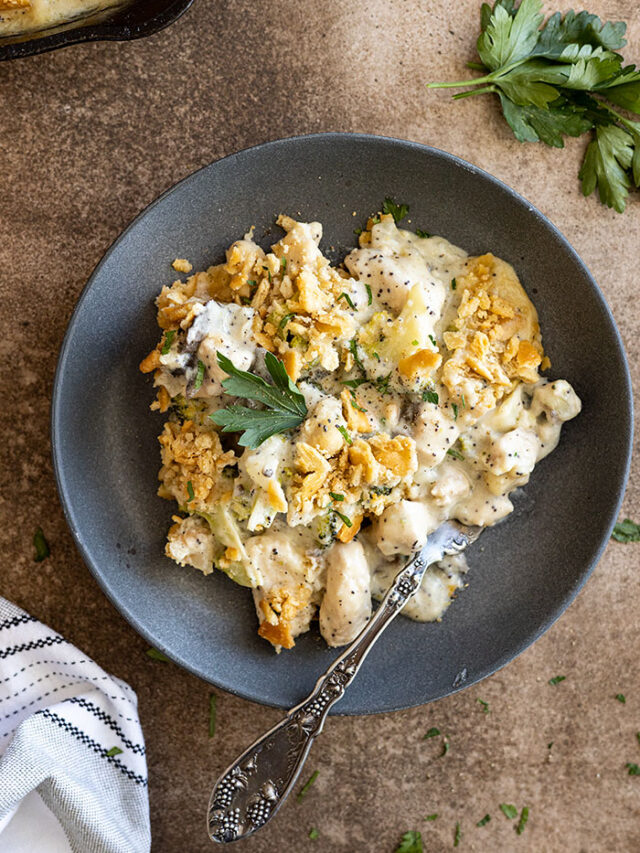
(323, 420)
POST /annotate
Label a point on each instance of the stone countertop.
(89, 135)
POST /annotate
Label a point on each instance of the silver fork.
(252, 789)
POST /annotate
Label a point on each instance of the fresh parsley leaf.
(454, 284)
(431, 817)
(549, 125)
(342, 430)
(457, 836)
(336, 497)
(369, 294)
(411, 843)
(252, 282)
(634, 769)
(154, 654)
(313, 833)
(430, 396)
(577, 31)
(455, 411)
(455, 453)
(621, 698)
(485, 820)
(624, 89)
(626, 531)
(433, 732)
(485, 706)
(433, 341)
(305, 788)
(168, 340)
(197, 383)
(556, 679)
(398, 211)
(344, 295)
(115, 750)
(283, 265)
(41, 545)
(509, 34)
(285, 404)
(212, 714)
(524, 817)
(381, 383)
(354, 383)
(605, 166)
(509, 811)
(420, 233)
(343, 518)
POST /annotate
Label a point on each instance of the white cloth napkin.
(70, 732)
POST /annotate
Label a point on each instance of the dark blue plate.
(524, 572)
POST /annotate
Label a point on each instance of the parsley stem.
(473, 92)
(488, 78)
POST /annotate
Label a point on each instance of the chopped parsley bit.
(433, 732)
(190, 491)
(357, 231)
(433, 340)
(414, 343)
(336, 497)
(283, 263)
(445, 748)
(633, 769)
(252, 282)
(285, 321)
(430, 397)
(431, 817)
(376, 356)
(464, 402)
(524, 817)
(381, 384)
(115, 750)
(212, 714)
(485, 820)
(454, 284)
(342, 430)
(154, 654)
(168, 340)
(458, 835)
(420, 233)
(455, 411)
(455, 453)
(485, 705)
(411, 843)
(556, 679)
(346, 296)
(638, 737)
(344, 518)
(41, 545)
(621, 698)
(550, 744)
(313, 833)
(268, 272)
(375, 219)
(354, 401)
(626, 531)
(199, 376)
(508, 810)
(398, 211)
(307, 784)
(353, 349)
(369, 294)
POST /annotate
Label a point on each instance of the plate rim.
(55, 416)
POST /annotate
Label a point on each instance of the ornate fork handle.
(253, 788)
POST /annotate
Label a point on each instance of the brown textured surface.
(88, 136)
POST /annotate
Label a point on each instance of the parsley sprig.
(284, 404)
(563, 77)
